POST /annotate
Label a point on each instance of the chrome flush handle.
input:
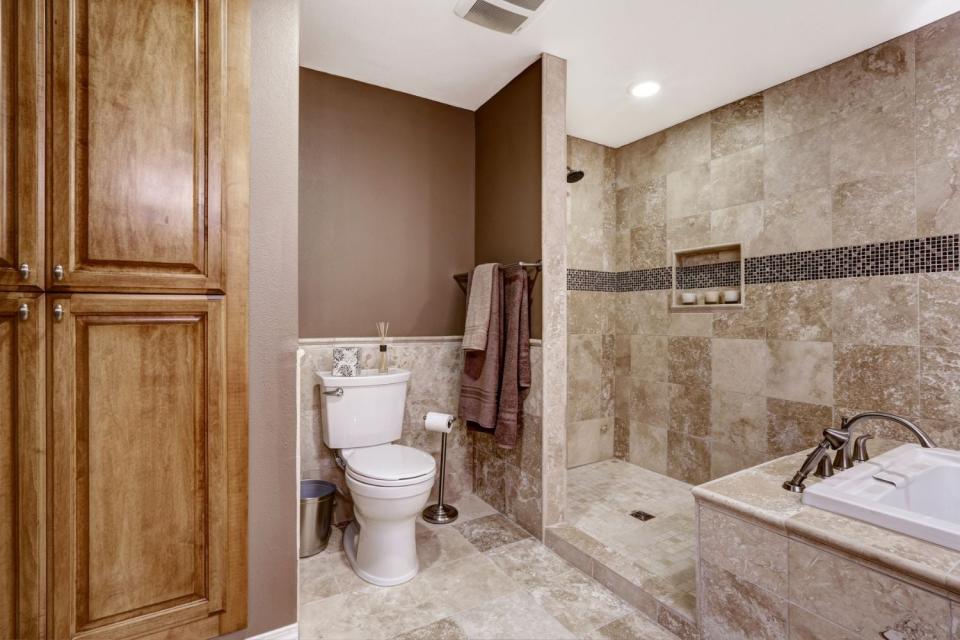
(336, 391)
(24, 271)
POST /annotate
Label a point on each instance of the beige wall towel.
(478, 307)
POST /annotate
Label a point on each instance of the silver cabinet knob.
(58, 272)
(336, 391)
(58, 312)
(24, 311)
(24, 271)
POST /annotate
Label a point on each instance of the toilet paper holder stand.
(441, 513)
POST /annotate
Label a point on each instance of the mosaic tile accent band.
(917, 255)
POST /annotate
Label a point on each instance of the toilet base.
(351, 538)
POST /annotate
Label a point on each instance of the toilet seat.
(390, 465)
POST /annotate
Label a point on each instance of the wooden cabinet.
(136, 158)
(138, 535)
(123, 319)
(21, 465)
(21, 246)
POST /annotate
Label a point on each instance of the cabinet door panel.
(20, 243)
(136, 145)
(21, 476)
(139, 482)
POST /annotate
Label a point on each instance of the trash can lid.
(312, 489)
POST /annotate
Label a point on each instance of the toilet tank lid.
(390, 462)
(367, 378)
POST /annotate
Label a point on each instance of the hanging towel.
(478, 307)
(480, 380)
(515, 377)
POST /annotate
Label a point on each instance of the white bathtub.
(909, 489)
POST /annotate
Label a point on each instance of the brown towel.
(480, 381)
(480, 295)
(515, 379)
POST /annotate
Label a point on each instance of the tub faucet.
(846, 424)
(832, 439)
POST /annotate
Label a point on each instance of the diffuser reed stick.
(382, 328)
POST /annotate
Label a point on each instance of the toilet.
(389, 483)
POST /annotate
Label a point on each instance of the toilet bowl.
(389, 484)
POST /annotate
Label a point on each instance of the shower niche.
(708, 278)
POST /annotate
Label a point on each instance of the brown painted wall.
(386, 210)
(508, 176)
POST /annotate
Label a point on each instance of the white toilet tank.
(367, 412)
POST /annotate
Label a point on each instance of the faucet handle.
(824, 467)
(842, 460)
(836, 438)
(860, 448)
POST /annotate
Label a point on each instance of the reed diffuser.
(382, 328)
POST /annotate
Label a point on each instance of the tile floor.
(659, 554)
(482, 577)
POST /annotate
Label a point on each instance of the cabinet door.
(21, 471)
(20, 243)
(136, 145)
(138, 478)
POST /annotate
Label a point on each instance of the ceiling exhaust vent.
(505, 16)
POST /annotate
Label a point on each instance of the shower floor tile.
(656, 556)
(468, 588)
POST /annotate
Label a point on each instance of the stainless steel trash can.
(316, 515)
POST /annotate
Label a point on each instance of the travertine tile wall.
(591, 230)
(865, 150)
(509, 480)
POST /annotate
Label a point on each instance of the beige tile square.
(799, 311)
(688, 192)
(738, 420)
(687, 233)
(875, 75)
(794, 426)
(857, 598)
(940, 382)
(737, 126)
(750, 322)
(741, 223)
(590, 312)
(690, 409)
(879, 310)
(799, 162)
(689, 360)
(648, 244)
(589, 441)
(801, 371)
(736, 178)
(725, 459)
(688, 458)
(650, 402)
(883, 378)
(874, 140)
(735, 608)
(691, 324)
(938, 198)
(938, 108)
(798, 222)
(642, 313)
(648, 358)
(807, 626)
(749, 552)
(797, 105)
(740, 365)
(643, 203)
(940, 308)
(648, 446)
(876, 209)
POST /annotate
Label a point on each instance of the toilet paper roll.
(442, 422)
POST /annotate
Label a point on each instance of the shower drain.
(642, 516)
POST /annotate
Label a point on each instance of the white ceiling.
(705, 53)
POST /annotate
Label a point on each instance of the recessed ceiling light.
(645, 89)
